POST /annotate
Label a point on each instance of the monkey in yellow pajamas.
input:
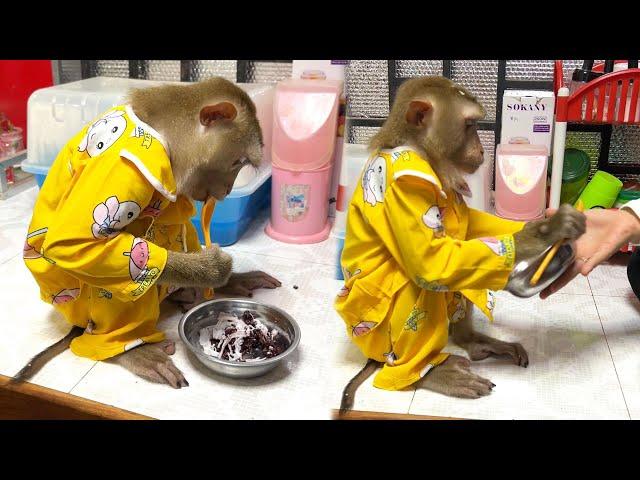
(416, 258)
(111, 236)
(98, 239)
(409, 260)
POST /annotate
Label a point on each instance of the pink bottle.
(305, 116)
(521, 180)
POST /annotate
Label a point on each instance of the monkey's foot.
(152, 362)
(243, 284)
(481, 347)
(453, 377)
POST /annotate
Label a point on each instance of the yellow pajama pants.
(115, 322)
(411, 339)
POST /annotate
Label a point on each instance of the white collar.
(146, 127)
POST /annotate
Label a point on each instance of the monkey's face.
(227, 139)
(454, 133)
(442, 118)
(211, 181)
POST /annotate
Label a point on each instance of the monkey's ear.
(220, 111)
(417, 112)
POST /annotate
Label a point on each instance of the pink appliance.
(521, 180)
(305, 121)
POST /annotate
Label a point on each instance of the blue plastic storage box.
(38, 171)
(232, 216)
(340, 237)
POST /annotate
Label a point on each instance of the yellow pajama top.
(411, 252)
(101, 226)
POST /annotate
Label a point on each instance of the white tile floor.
(583, 344)
(584, 351)
(295, 390)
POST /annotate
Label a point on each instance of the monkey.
(423, 259)
(91, 244)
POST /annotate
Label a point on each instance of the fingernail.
(186, 384)
(493, 384)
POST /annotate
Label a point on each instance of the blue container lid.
(35, 168)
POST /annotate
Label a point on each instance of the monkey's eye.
(114, 129)
(241, 162)
(471, 123)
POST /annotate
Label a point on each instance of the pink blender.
(305, 118)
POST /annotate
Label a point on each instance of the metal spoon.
(519, 283)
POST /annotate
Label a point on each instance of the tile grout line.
(82, 378)
(415, 390)
(609, 295)
(612, 360)
(9, 259)
(232, 249)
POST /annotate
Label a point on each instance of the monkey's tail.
(349, 392)
(41, 359)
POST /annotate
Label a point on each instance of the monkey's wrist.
(631, 223)
(209, 268)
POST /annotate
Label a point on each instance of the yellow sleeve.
(482, 224)
(410, 226)
(86, 235)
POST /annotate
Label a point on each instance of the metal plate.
(206, 314)
(359, 134)
(488, 140)
(70, 70)
(539, 70)
(202, 69)
(163, 70)
(268, 72)
(367, 88)
(625, 145)
(111, 68)
(418, 68)
(481, 78)
(588, 142)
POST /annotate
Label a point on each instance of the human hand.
(607, 231)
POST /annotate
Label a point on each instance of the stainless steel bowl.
(521, 276)
(206, 314)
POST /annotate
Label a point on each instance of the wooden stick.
(552, 253)
(205, 219)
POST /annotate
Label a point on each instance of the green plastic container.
(575, 173)
(626, 196)
(601, 192)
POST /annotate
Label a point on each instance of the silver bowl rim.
(292, 347)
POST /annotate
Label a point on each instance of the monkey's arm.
(428, 256)
(483, 224)
(86, 236)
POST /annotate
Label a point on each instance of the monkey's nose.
(229, 188)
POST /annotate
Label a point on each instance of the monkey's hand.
(152, 362)
(208, 268)
(567, 224)
(244, 283)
